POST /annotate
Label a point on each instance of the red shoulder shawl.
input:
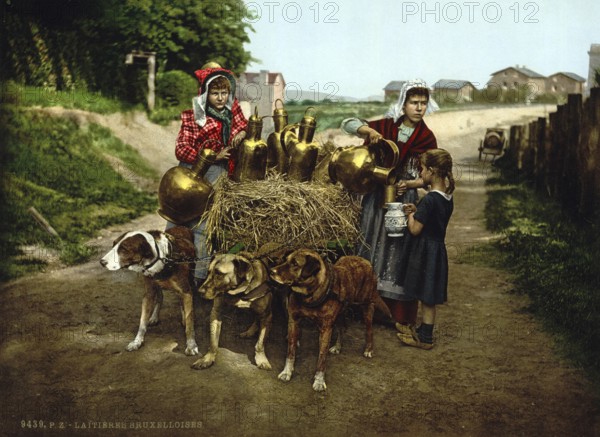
(421, 140)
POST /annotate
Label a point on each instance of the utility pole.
(150, 58)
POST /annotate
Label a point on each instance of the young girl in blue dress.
(426, 273)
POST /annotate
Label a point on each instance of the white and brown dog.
(239, 280)
(165, 259)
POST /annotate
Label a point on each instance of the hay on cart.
(277, 211)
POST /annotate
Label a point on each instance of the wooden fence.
(561, 154)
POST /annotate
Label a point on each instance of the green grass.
(25, 95)
(62, 171)
(330, 115)
(554, 259)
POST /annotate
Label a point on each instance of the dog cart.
(492, 144)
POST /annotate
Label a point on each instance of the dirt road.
(64, 369)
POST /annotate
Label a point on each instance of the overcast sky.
(355, 47)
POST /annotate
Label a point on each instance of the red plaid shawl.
(192, 138)
(419, 142)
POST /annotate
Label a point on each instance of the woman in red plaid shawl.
(404, 125)
(216, 122)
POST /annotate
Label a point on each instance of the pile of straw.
(289, 213)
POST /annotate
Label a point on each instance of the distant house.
(516, 77)
(453, 91)
(391, 92)
(594, 69)
(564, 83)
(261, 89)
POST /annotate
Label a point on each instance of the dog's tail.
(382, 307)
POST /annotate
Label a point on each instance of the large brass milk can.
(301, 148)
(277, 156)
(251, 162)
(360, 168)
(183, 193)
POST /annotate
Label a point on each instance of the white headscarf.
(199, 103)
(395, 111)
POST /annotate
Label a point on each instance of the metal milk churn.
(183, 193)
(301, 148)
(251, 163)
(277, 156)
(361, 168)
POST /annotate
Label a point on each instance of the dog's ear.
(119, 239)
(311, 266)
(241, 268)
(244, 272)
(145, 249)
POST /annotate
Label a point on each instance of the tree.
(83, 43)
(187, 33)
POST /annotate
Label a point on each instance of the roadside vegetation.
(555, 261)
(63, 171)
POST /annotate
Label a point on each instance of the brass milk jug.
(301, 148)
(183, 193)
(277, 156)
(251, 163)
(361, 168)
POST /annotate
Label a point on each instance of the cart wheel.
(480, 153)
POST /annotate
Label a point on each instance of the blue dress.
(426, 272)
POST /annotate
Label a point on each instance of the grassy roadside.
(554, 259)
(61, 170)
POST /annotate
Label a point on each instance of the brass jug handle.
(312, 110)
(280, 101)
(286, 132)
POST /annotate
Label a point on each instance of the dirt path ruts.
(492, 372)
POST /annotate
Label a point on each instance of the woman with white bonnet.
(403, 124)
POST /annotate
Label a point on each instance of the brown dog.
(241, 281)
(161, 257)
(319, 292)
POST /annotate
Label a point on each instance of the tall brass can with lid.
(183, 193)
(277, 157)
(301, 147)
(251, 162)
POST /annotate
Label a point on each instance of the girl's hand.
(401, 188)
(238, 138)
(409, 208)
(224, 154)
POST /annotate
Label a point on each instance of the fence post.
(540, 154)
(588, 154)
(572, 188)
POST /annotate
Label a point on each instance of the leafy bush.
(175, 88)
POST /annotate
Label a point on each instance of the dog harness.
(328, 292)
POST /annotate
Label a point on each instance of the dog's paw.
(134, 345)
(319, 382)
(262, 362)
(285, 376)
(204, 363)
(368, 354)
(192, 348)
(335, 349)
